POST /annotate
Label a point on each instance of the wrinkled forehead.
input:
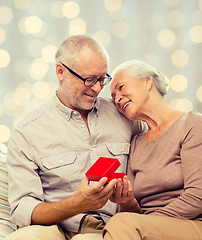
(112, 85)
(116, 79)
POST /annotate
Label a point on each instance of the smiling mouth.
(125, 105)
(91, 96)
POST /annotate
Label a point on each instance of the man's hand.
(86, 198)
(94, 197)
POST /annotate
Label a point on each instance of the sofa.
(6, 225)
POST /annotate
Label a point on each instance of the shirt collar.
(96, 107)
(67, 112)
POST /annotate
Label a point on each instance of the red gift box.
(104, 167)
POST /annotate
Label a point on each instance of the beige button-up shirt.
(52, 148)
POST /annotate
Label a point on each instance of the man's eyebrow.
(89, 75)
(93, 75)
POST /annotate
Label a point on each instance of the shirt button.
(61, 161)
(83, 125)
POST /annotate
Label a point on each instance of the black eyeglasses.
(89, 82)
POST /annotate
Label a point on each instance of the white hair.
(69, 50)
(140, 70)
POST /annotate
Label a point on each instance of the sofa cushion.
(6, 225)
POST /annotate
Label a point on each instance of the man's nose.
(97, 87)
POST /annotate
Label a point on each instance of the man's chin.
(87, 107)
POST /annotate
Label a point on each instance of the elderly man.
(52, 148)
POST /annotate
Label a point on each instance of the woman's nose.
(118, 101)
(118, 98)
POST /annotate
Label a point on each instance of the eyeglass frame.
(107, 76)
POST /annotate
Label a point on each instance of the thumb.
(84, 182)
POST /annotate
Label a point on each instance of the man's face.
(75, 94)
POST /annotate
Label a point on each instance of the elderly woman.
(162, 200)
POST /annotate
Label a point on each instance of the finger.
(99, 185)
(111, 184)
(118, 192)
(125, 188)
(108, 189)
(130, 190)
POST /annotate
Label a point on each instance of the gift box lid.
(104, 167)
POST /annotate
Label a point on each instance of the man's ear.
(60, 72)
(149, 82)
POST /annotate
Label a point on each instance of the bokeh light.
(9, 104)
(70, 9)
(22, 4)
(21, 25)
(178, 83)
(6, 15)
(42, 31)
(200, 4)
(77, 26)
(21, 96)
(33, 24)
(5, 133)
(196, 34)
(48, 53)
(199, 94)
(103, 37)
(41, 90)
(176, 19)
(113, 5)
(4, 58)
(38, 69)
(180, 58)
(166, 38)
(182, 104)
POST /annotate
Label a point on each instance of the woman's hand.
(94, 197)
(123, 195)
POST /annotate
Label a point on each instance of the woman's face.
(129, 94)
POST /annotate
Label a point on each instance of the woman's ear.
(59, 72)
(149, 82)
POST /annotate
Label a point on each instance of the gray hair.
(140, 70)
(69, 50)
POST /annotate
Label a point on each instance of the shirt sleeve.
(25, 189)
(189, 204)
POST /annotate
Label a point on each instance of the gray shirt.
(51, 149)
(167, 172)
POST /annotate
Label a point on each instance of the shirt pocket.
(121, 152)
(60, 171)
(117, 149)
(59, 160)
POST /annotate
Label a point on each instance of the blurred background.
(165, 33)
